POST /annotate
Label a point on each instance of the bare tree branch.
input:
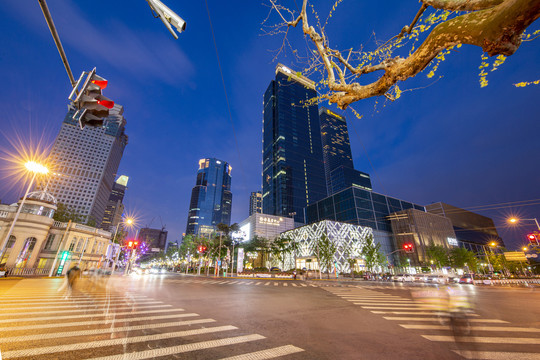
(462, 5)
(494, 25)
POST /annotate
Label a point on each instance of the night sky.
(448, 140)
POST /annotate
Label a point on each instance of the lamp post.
(514, 220)
(35, 169)
(128, 222)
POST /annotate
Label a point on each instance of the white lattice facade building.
(349, 240)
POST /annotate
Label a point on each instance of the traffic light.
(89, 101)
(130, 244)
(408, 247)
(533, 239)
(135, 244)
(201, 249)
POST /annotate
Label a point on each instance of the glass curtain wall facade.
(255, 203)
(211, 198)
(292, 176)
(358, 206)
(115, 207)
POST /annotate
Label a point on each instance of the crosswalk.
(103, 325)
(243, 282)
(488, 339)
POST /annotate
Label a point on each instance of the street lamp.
(129, 222)
(35, 168)
(524, 248)
(514, 220)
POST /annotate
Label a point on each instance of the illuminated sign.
(334, 114)
(270, 221)
(452, 241)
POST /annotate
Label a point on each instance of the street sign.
(515, 256)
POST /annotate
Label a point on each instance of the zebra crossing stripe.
(303, 285)
(268, 283)
(66, 301)
(267, 354)
(258, 283)
(112, 342)
(276, 284)
(150, 354)
(106, 308)
(63, 297)
(285, 284)
(394, 308)
(112, 313)
(484, 340)
(496, 355)
(56, 335)
(474, 328)
(383, 304)
(293, 284)
(74, 305)
(95, 322)
(412, 313)
(497, 321)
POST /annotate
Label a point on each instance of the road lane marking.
(497, 321)
(150, 354)
(106, 308)
(383, 303)
(393, 308)
(268, 283)
(56, 335)
(112, 342)
(95, 322)
(64, 298)
(484, 340)
(303, 284)
(285, 284)
(111, 313)
(474, 328)
(497, 355)
(74, 305)
(412, 313)
(258, 283)
(69, 301)
(293, 284)
(276, 284)
(267, 354)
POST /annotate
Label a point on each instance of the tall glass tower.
(211, 198)
(338, 163)
(115, 206)
(293, 171)
(86, 162)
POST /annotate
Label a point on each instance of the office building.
(361, 207)
(155, 239)
(115, 206)
(293, 175)
(338, 163)
(211, 198)
(255, 203)
(264, 226)
(421, 229)
(85, 163)
(473, 231)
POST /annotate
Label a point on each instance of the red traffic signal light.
(408, 247)
(130, 244)
(533, 239)
(90, 103)
(135, 244)
(201, 249)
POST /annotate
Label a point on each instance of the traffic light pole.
(60, 246)
(54, 33)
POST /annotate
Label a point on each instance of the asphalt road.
(185, 317)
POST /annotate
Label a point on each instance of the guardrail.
(26, 271)
(525, 282)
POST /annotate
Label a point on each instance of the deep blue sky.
(452, 141)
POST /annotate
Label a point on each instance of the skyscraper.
(293, 170)
(86, 162)
(255, 203)
(115, 206)
(211, 198)
(338, 163)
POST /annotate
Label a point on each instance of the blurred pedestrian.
(72, 276)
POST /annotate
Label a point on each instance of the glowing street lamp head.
(493, 243)
(129, 221)
(36, 167)
(513, 220)
(524, 248)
